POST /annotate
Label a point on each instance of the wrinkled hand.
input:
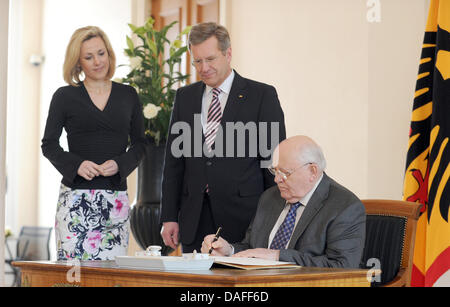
(220, 248)
(109, 168)
(88, 170)
(263, 253)
(169, 233)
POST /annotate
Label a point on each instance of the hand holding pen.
(216, 237)
(221, 246)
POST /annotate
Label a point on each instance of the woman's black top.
(95, 135)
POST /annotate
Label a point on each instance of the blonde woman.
(105, 134)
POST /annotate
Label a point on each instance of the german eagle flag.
(427, 166)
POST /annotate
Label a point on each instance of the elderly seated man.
(307, 218)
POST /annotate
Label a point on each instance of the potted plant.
(155, 63)
(154, 76)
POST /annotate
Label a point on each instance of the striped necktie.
(213, 120)
(284, 233)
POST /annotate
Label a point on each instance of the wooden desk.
(107, 274)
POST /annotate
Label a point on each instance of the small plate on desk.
(163, 263)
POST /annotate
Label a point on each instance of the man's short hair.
(312, 153)
(203, 31)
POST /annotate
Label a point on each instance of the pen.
(216, 237)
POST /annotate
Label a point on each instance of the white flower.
(150, 111)
(135, 62)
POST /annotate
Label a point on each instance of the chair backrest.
(33, 243)
(390, 235)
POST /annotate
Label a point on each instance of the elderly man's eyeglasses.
(285, 174)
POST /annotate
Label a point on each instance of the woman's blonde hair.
(72, 68)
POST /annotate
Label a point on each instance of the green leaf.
(177, 43)
(185, 31)
(178, 53)
(152, 46)
(132, 27)
(129, 53)
(140, 31)
(166, 28)
(150, 21)
(130, 43)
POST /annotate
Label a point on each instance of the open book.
(199, 262)
(252, 263)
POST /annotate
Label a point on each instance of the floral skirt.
(91, 224)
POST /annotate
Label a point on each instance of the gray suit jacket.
(330, 232)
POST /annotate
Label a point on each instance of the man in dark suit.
(215, 172)
(308, 218)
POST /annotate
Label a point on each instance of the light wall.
(4, 18)
(395, 46)
(345, 82)
(23, 113)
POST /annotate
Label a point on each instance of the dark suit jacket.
(330, 232)
(235, 183)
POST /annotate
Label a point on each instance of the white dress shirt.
(225, 88)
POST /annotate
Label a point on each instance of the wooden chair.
(390, 235)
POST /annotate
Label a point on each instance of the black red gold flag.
(427, 166)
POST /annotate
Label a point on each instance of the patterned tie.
(284, 233)
(214, 117)
(213, 122)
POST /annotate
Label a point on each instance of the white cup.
(153, 250)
